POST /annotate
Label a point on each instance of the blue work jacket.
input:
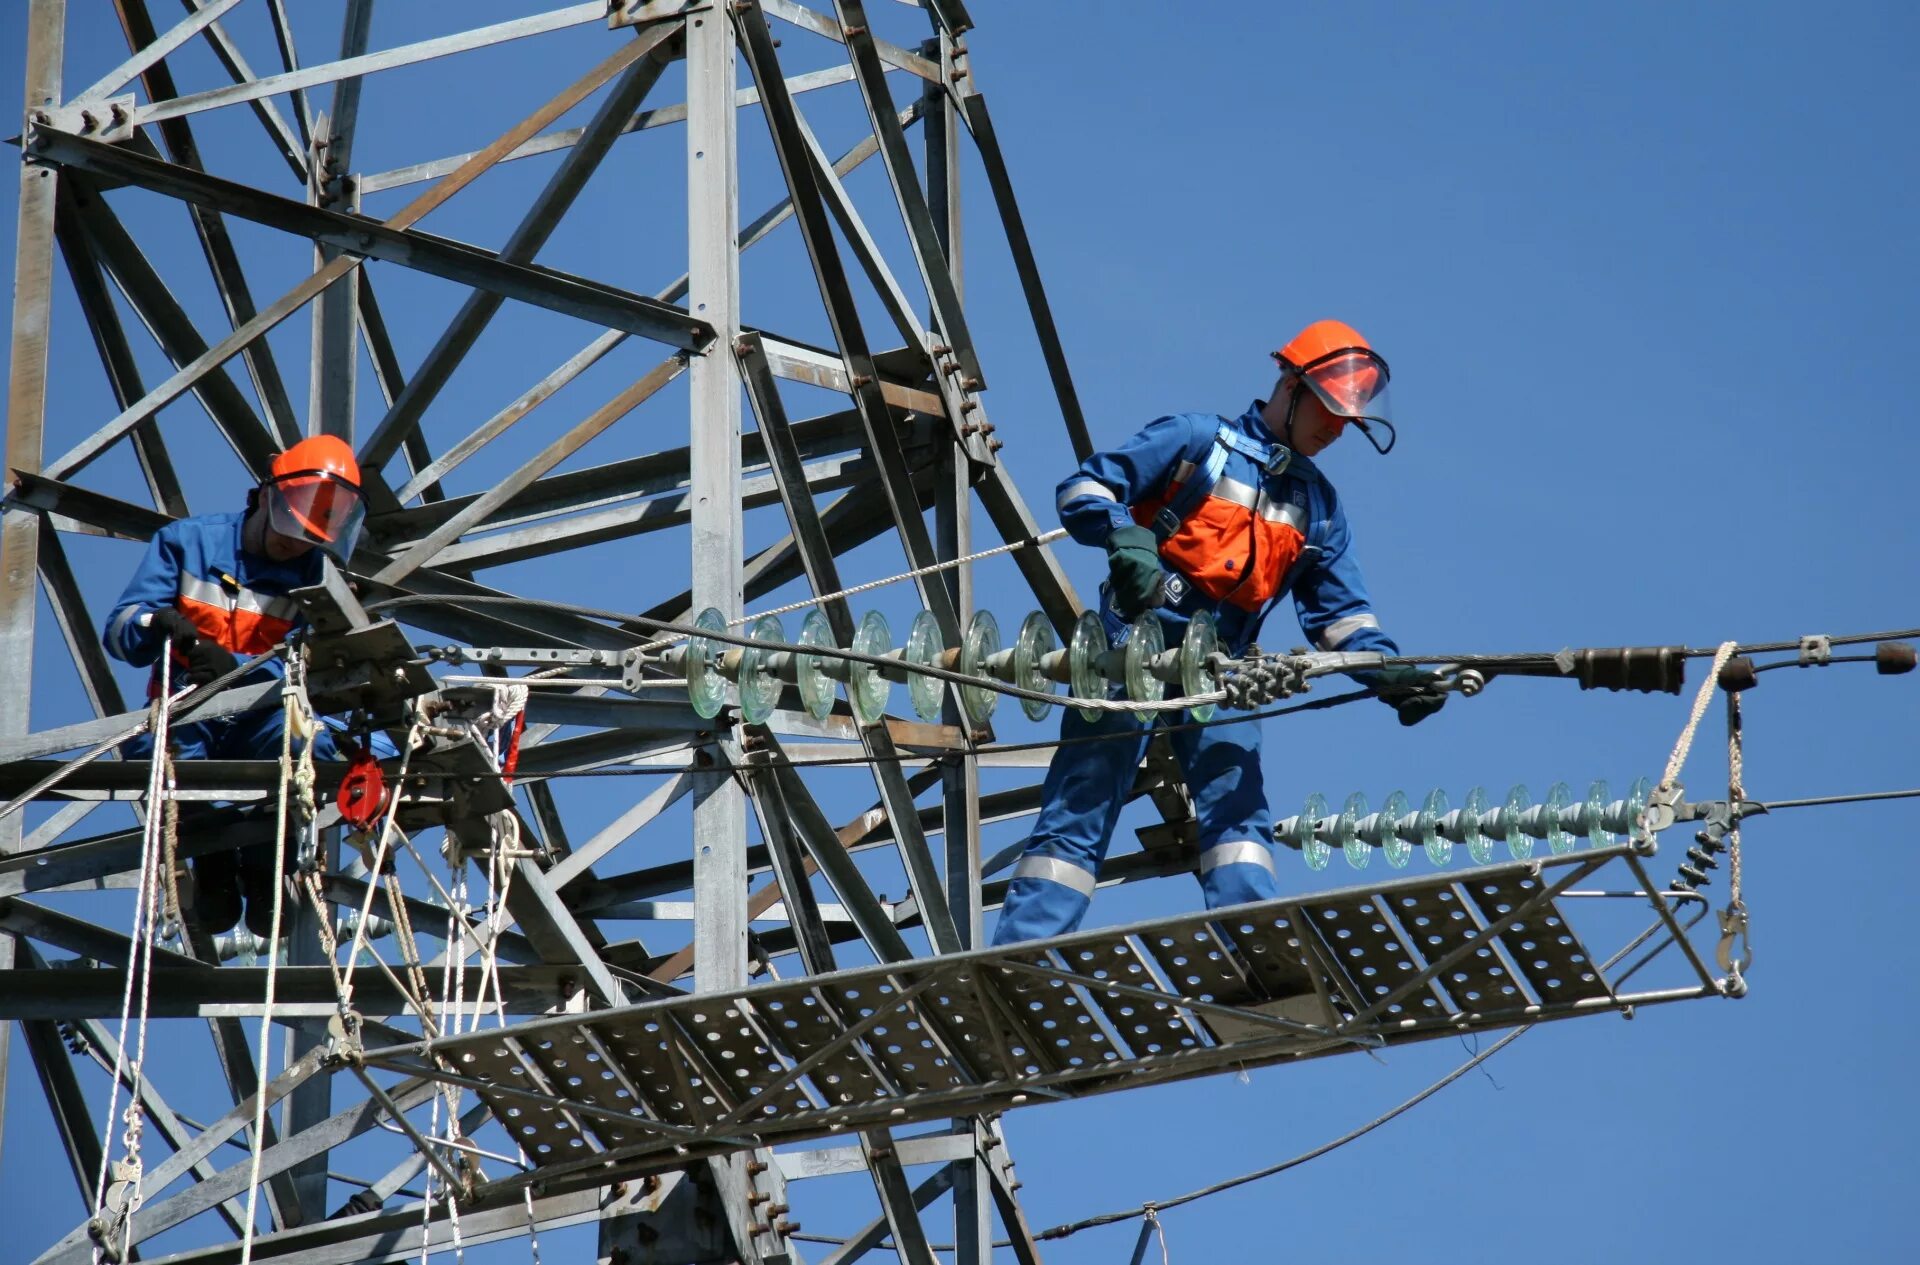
(1295, 514)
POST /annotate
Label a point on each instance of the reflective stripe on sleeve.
(121, 618)
(1054, 870)
(1083, 487)
(1238, 852)
(1341, 629)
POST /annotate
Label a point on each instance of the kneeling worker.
(1201, 512)
(217, 584)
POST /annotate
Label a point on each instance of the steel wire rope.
(997, 748)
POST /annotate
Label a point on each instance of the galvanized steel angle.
(1046, 999)
(745, 1067)
(1376, 961)
(1200, 963)
(578, 1067)
(892, 998)
(942, 292)
(1145, 1026)
(1391, 1000)
(883, 440)
(662, 1061)
(1439, 922)
(1550, 956)
(1274, 955)
(906, 1044)
(805, 1023)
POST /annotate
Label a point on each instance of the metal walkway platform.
(647, 1085)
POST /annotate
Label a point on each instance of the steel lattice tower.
(895, 1015)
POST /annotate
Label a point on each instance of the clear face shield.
(1352, 383)
(319, 508)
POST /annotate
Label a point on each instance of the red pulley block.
(363, 791)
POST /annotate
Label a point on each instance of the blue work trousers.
(1087, 784)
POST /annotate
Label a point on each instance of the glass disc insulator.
(1306, 833)
(1083, 660)
(1473, 816)
(1398, 850)
(1637, 796)
(981, 643)
(1196, 648)
(1439, 849)
(1034, 643)
(706, 688)
(1598, 836)
(760, 688)
(1519, 842)
(925, 646)
(1346, 831)
(809, 675)
(1146, 640)
(867, 690)
(1560, 813)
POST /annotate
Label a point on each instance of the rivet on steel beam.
(861, 380)
(854, 31)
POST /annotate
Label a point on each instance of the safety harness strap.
(1271, 458)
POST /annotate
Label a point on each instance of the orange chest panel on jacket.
(240, 619)
(1238, 544)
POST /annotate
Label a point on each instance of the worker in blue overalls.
(217, 588)
(1201, 512)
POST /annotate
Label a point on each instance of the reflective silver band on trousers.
(1239, 852)
(1054, 870)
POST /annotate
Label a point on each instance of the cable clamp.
(1816, 651)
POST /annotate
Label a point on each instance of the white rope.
(1684, 745)
(379, 860)
(140, 962)
(294, 713)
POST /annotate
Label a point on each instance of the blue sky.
(1645, 277)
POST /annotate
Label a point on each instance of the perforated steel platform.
(1090, 1013)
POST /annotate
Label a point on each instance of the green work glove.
(1414, 694)
(1133, 571)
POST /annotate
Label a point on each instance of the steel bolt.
(755, 1168)
(787, 1227)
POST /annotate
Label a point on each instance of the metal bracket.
(110, 120)
(531, 656)
(641, 12)
(1816, 650)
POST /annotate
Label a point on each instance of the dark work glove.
(208, 661)
(171, 623)
(1413, 694)
(1133, 571)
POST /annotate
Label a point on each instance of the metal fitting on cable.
(1893, 658)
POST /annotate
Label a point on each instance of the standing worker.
(218, 585)
(1201, 512)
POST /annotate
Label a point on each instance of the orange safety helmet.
(1345, 372)
(313, 494)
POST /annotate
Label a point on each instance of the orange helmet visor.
(1352, 383)
(318, 507)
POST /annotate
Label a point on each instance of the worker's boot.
(256, 882)
(216, 891)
